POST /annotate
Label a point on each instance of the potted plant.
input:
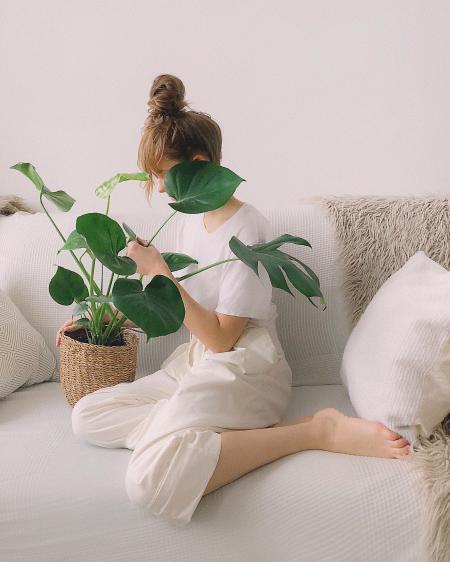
(103, 352)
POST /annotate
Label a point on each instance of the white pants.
(172, 419)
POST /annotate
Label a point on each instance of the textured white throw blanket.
(10, 204)
(395, 228)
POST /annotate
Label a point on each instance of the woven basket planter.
(86, 367)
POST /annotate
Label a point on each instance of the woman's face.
(158, 180)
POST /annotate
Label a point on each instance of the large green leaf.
(158, 309)
(60, 198)
(177, 261)
(199, 186)
(75, 241)
(106, 239)
(278, 263)
(105, 189)
(67, 286)
(80, 308)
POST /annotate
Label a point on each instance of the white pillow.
(25, 358)
(396, 362)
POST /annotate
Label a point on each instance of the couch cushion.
(313, 340)
(63, 499)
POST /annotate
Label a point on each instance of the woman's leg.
(113, 416)
(245, 450)
(293, 422)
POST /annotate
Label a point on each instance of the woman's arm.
(219, 332)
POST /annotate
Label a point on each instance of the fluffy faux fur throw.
(377, 236)
(10, 204)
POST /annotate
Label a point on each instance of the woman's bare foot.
(356, 436)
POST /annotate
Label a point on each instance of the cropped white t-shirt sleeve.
(242, 292)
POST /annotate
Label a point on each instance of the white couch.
(62, 499)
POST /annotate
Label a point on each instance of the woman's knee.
(82, 414)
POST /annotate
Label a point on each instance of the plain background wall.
(313, 97)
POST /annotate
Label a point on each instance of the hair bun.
(166, 96)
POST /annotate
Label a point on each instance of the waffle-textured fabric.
(396, 363)
(313, 339)
(25, 358)
(64, 499)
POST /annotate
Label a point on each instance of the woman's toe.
(389, 434)
(399, 442)
(402, 452)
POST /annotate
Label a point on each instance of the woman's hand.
(68, 326)
(149, 261)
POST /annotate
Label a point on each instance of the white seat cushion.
(63, 499)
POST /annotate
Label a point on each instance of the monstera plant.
(156, 308)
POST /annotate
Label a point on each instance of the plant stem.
(204, 268)
(110, 283)
(110, 327)
(78, 261)
(153, 237)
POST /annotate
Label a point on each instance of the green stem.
(167, 220)
(110, 327)
(204, 268)
(78, 261)
(153, 237)
(110, 283)
(92, 303)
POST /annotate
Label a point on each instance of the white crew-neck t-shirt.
(231, 288)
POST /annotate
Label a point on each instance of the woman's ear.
(199, 157)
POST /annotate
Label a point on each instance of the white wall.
(313, 97)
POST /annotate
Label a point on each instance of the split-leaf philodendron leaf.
(199, 186)
(80, 308)
(158, 309)
(106, 239)
(67, 286)
(60, 198)
(76, 241)
(105, 189)
(177, 261)
(276, 262)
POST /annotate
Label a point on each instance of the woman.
(210, 414)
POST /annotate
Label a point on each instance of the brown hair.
(170, 132)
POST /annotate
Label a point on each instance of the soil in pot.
(81, 336)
